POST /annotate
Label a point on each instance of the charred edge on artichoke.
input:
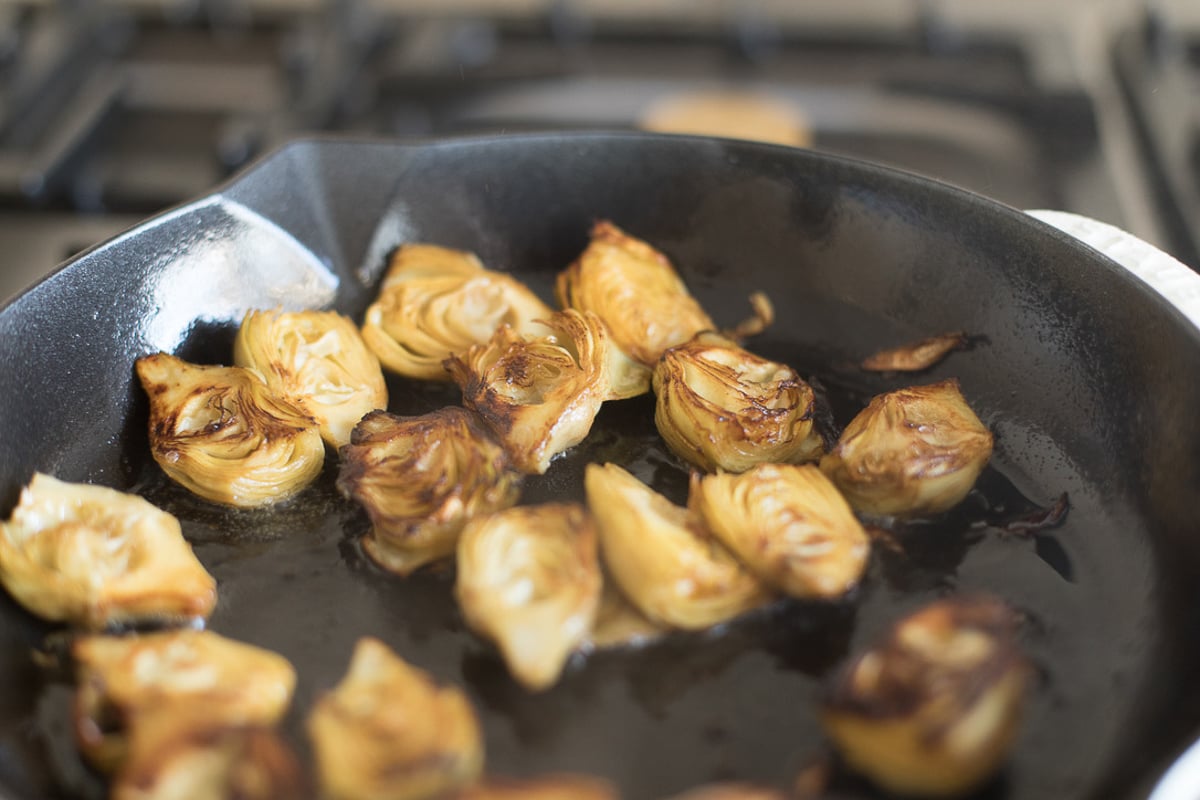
(499, 416)
(446, 427)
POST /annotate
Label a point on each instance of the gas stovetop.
(112, 111)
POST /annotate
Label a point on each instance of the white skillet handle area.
(1169, 277)
(1181, 287)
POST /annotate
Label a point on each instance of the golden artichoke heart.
(529, 579)
(721, 407)
(388, 732)
(663, 558)
(222, 433)
(435, 302)
(789, 525)
(420, 479)
(540, 394)
(910, 452)
(318, 361)
(173, 756)
(635, 290)
(205, 677)
(95, 557)
(934, 708)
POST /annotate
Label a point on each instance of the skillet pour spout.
(1087, 379)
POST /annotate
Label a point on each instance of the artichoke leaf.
(198, 674)
(911, 452)
(435, 302)
(933, 709)
(529, 579)
(318, 361)
(635, 290)
(539, 395)
(719, 406)
(172, 755)
(762, 317)
(223, 434)
(389, 732)
(96, 557)
(789, 525)
(420, 479)
(663, 558)
(916, 356)
(626, 377)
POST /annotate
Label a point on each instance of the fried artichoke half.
(539, 394)
(934, 708)
(94, 557)
(911, 452)
(317, 360)
(529, 580)
(420, 479)
(188, 673)
(788, 524)
(435, 302)
(173, 756)
(388, 732)
(558, 786)
(635, 290)
(663, 558)
(722, 407)
(222, 433)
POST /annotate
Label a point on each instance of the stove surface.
(112, 111)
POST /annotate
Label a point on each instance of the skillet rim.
(282, 151)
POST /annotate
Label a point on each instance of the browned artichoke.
(435, 302)
(173, 756)
(635, 290)
(544, 787)
(318, 361)
(539, 395)
(721, 407)
(388, 732)
(529, 579)
(211, 680)
(222, 433)
(910, 452)
(420, 479)
(96, 557)
(663, 558)
(934, 708)
(788, 524)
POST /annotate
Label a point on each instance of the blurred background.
(111, 110)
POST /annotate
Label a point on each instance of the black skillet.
(1090, 382)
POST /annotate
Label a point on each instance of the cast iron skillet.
(1090, 382)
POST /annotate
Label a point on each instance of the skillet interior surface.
(1088, 380)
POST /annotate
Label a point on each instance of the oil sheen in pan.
(736, 702)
